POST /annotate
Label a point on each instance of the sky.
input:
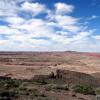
(50, 25)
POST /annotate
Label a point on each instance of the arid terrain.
(48, 73)
(26, 64)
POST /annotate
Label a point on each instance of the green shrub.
(84, 89)
(10, 83)
(97, 91)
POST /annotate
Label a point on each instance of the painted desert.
(28, 64)
(49, 75)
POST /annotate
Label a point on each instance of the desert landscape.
(49, 50)
(27, 64)
(51, 74)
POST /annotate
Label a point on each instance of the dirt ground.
(24, 65)
(27, 64)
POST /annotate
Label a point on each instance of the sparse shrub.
(7, 95)
(61, 87)
(10, 83)
(56, 87)
(41, 79)
(48, 87)
(41, 82)
(84, 89)
(22, 88)
(97, 91)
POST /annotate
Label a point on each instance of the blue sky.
(50, 25)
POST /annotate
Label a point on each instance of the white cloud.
(93, 17)
(81, 35)
(22, 0)
(65, 20)
(96, 37)
(68, 23)
(15, 20)
(8, 8)
(62, 8)
(2, 42)
(72, 28)
(56, 31)
(7, 30)
(35, 8)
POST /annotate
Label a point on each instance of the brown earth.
(74, 67)
(28, 64)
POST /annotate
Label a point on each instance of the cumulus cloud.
(56, 30)
(6, 30)
(8, 8)
(62, 8)
(15, 20)
(65, 20)
(35, 8)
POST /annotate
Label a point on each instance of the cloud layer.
(32, 26)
